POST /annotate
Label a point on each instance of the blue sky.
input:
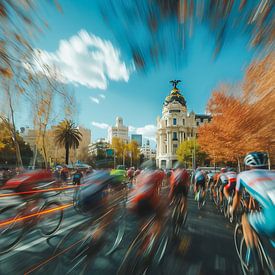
(106, 90)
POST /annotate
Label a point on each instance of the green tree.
(119, 147)
(185, 153)
(67, 135)
(134, 152)
(8, 149)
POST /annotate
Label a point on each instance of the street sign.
(109, 152)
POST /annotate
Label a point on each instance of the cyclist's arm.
(238, 194)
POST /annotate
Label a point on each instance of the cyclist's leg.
(221, 194)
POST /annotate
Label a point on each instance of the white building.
(147, 151)
(175, 126)
(100, 146)
(119, 130)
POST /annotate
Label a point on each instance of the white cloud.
(148, 131)
(94, 99)
(85, 59)
(102, 96)
(100, 125)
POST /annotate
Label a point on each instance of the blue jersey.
(260, 184)
(199, 176)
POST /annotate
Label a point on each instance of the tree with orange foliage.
(245, 123)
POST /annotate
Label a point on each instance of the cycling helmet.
(223, 170)
(179, 165)
(256, 159)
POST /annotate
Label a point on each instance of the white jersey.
(260, 184)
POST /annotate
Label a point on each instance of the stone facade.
(174, 126)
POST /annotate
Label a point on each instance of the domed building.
(175, 126)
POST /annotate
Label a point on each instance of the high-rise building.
(137, 138)
(175, 126)
(147, 151)
(119, 131)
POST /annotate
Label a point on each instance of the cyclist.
(130, 174)
(179, 185)
(260, 184)
(94, 198)
(221, 181)
(199, 180)
(145, 196)
(77, 176)
(30, 180)
(231, 184)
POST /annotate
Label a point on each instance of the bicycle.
(147, 249)
(79, 246)
(178, 217)
(255, 261)
(17, 220)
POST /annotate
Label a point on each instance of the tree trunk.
(67, 148)
(239, 165)
(13, 132)
(35, 157)
(44, 148)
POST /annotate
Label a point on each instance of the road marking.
(220, 263)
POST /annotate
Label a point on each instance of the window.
(183, 122)
(201, 119)
(174, 111)
(175, 136)
(174, 121)
(198, 123)
(175, 147)
(166, 122)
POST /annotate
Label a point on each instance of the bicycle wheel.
(50, 222)
(238, 235)
(178, 219)
(266, 261)
(139, 256)
(11, 229)
(250, 260)
(74, 247)
(225, 208)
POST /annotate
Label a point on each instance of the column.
(169, 143)
(160, 148)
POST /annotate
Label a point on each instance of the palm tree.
(68, 135)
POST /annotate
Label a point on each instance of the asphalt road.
(206, 247)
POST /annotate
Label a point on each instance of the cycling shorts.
(230, 186)
(180, 190)
(201, 182)
(144, 207)
(263, 222)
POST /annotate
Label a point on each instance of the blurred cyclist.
(199, 181)
(260, 184)
(145, 197)
(179, 184)
(231, 183)
(221, 181)
(29, 181)
(94, 198)
(77, 176)
(130, 174)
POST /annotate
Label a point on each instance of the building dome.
(175, 95)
